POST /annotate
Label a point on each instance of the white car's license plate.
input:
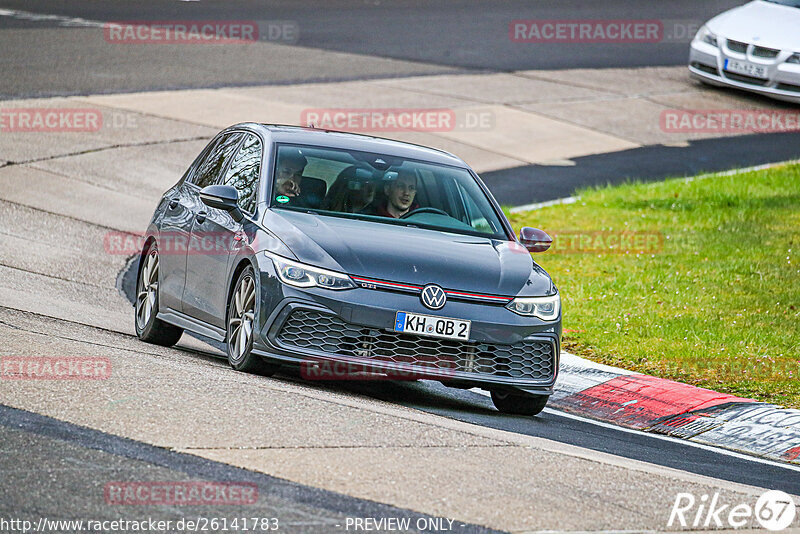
(748, 69)
(430, 325)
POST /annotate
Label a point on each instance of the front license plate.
(430, 325)
(748, 69)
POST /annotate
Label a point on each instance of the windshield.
(381, 188)
(791, 3)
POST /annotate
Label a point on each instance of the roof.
(351, 141)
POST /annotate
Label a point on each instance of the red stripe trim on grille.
(476, 295)
(382, 283)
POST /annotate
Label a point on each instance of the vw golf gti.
(351, 257)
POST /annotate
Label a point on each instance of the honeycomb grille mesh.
(737, 46)
(760, 51)
(312, 330)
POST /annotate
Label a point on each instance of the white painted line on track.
(540, 205)
(732, 172)
(567, 358)
(662, 437)
(60, 19)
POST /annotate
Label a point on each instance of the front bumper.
(505, 350)
(707, 63)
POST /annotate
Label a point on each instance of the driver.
(400, 194)
(289, 175)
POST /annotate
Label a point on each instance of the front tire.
(519, 403)
(241, 327)
(149, 328)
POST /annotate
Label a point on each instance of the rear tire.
(149, 328)
(241, 327)
(519, 403)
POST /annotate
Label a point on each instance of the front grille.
(761, 51)
(307, 329)
(737, 46)
(745, 79)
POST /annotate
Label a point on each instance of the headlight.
(705, 35)
(301, 275)
(794, 58)
(545, 308)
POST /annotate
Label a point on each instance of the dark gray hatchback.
(354, 258)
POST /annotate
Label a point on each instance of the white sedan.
(755, 47)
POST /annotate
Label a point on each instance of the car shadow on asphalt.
(424, 395)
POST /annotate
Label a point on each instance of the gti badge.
(433, 297)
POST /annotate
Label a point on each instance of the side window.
(474, 214)
(209, 172)
(192, 170)
(244, 171)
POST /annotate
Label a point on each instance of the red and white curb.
(651, 404)
(611, 396)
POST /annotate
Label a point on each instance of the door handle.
(201, 217)
(173, 203)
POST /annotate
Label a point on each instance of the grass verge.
(692, 280)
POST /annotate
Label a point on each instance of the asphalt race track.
(460, 36)
(321, 453)
(71, 454)
(649, 163)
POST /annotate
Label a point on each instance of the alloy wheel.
(242, 315)
(147, 292)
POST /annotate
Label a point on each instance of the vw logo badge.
(433, 297)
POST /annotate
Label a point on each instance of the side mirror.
(534, 239)
(222, 197)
